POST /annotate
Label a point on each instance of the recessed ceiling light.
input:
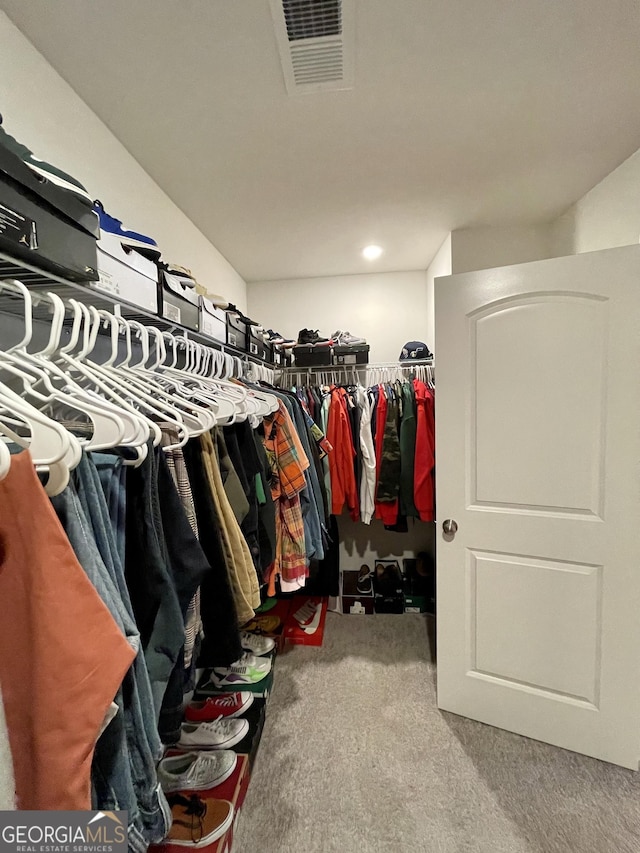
(372, 253)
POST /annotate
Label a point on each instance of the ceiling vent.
(316, 43)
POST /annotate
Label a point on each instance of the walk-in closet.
(319, 485)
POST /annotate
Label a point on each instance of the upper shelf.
(37, 279)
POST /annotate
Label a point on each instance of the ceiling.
(464, 112)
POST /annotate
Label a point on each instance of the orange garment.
(62, 655)
(341, 469)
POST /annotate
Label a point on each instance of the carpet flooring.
(356, 758)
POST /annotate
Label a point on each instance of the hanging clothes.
(341, 462)
(76, 671)
(424, 492)
(288, 464)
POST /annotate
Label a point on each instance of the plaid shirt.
(287, 459)
(288, 462)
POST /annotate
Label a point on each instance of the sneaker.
(256, 645)
(267, 604)
(263, 624)
(198, 822)
(244, 671)
(346, 339)
(363, 584)
(308, 616)
(196, 771)
(218, 734)
(231, 308)
(279, 340)
(225, 707)
(146, 246)
(309, 338)
(41, 167)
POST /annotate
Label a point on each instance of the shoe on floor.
(311, 338)
(225, 706)
(346, 339)
(146, 246)
(247, 670)
(267, 604)
(255, 644)
(42, 168)
(197, 821)
(196, 771)
(364, 584)
(263, 624)
(219, 734)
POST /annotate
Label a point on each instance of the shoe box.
(353, 601)
(126, 274)
(44, 225)
(237, 334)
(261, 689)
(178, 300)
(234, 789)
(258, 347)
(282, 357)
(213, 321)
(388, 587)
(249, 744)
(351, 355)
(420, 584)
(309, 632)
(309, 356)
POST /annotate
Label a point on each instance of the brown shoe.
(364, 580)
(198, 821)
(266, 624)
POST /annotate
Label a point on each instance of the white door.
(538, 463)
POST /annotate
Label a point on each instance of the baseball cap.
(415, 351)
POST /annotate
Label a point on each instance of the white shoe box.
(126, 274)
(213, 321)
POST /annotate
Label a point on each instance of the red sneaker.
(226, 705)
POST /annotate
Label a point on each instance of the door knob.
(450, 527)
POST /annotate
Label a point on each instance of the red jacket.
(343, 478)
(423, 474)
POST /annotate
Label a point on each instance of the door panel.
(538, 460)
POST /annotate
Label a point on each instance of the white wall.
(498, 246)
(439, 266)
(387, 309)
(44, 113)
(607, 216)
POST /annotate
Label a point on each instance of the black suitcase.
(46, 226)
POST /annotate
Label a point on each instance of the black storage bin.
(44, 225)
(351, 355)
(237, 335)
(178, 301)
(308, 356)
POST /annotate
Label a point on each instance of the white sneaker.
(249, 659)
(256, 645)
(247, 670)
(220, 734)
(196, 771)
